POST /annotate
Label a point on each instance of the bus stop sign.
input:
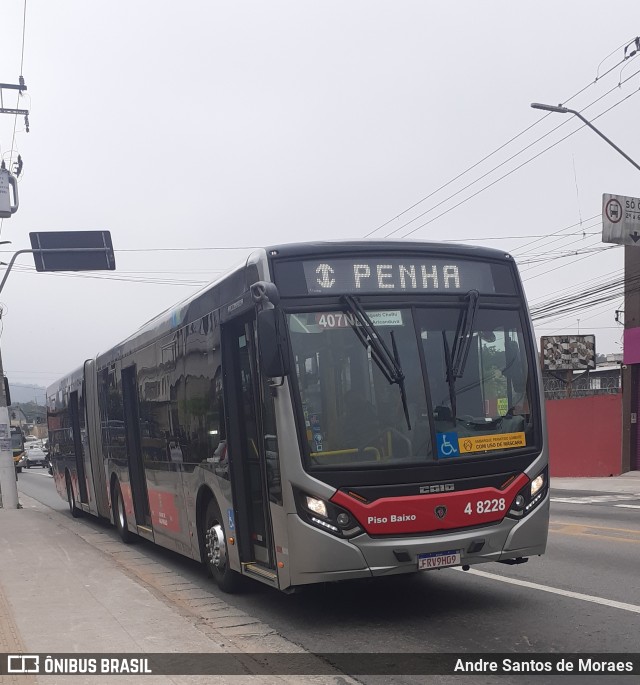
(73, 251)
(620, 219)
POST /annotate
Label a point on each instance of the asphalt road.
(583, 596)
(37, 483)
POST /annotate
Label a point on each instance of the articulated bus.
(326, 411)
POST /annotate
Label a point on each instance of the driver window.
(353, 414)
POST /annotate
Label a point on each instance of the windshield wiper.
(456, 359)
(387, 362)
(451, 380)
(464, 335)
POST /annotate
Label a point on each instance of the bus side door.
(246, 447)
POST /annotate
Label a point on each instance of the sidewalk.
(627, 483)
(67, 586)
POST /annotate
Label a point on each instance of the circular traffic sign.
(613, 210)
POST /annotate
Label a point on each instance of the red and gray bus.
(325, 411)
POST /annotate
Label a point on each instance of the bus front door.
(247, 450)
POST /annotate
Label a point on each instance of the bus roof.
(372, 246)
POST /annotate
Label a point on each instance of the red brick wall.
(585, 436)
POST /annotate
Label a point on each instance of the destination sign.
(396, 274)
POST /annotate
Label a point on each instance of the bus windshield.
(464, 393)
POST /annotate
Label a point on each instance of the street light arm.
(47, 250)
(613, 145)
(566, 110)
(10, 266)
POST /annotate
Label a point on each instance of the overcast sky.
(188, 127)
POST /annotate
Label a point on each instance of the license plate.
(438, 559)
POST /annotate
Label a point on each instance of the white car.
(34, 455)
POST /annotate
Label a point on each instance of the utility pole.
(8, 207)
(8, 478)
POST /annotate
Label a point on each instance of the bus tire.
(120, 515)
(71, 498)
(214, 551)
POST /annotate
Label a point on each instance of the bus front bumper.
(322, 557)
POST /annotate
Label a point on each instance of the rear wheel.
(215, 551)
(120, 515)
(71, 498)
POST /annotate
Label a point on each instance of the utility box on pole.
(8, 182)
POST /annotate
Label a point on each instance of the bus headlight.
(537, 483)
(531, 495)
(326, 515)
(317, 506)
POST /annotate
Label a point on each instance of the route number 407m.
(486, 506)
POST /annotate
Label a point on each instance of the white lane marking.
(556, 591)
(594, 499)
(628, 506)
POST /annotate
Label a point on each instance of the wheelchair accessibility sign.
(447, 445)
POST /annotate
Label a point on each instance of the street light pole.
(566, 110)
(630, 372)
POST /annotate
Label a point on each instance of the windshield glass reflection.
(355, 415)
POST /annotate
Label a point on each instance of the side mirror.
(272, 343)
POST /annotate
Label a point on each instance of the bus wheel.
(120, 515)
(71, 498)
(215, 551)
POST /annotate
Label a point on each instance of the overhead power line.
(591, 297)
(498, 149)
(489, 185)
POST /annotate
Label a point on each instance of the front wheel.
(120, 515)
(215, 551)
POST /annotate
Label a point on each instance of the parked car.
(34, 455)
